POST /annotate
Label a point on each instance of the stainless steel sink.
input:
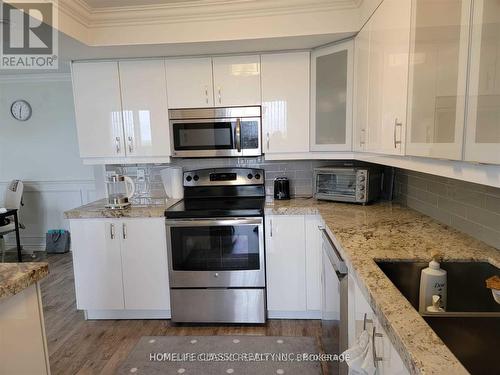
(471, 325)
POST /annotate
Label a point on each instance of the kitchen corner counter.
(15, 277)
(388, 231)
(97, 210)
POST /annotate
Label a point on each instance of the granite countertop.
(387, 231)
(97, 209)
(15, 277)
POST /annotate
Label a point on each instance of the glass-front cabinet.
(483, 115)
(331, 97)
(439, 50)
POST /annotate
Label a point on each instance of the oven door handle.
(214, 222)
(237, 131)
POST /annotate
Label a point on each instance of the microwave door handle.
(238, 135)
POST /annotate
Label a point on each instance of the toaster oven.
(347, 184)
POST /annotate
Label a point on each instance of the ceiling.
(124, 3)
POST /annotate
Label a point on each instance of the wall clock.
(21, 110)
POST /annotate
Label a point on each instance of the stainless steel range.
(215, 239)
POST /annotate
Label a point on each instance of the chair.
(13, 200)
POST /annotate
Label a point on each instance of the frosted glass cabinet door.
(145, 112)
(482, 142)
(438, 75)
(331, 97)
(285, 102)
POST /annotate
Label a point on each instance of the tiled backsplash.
(471, 208)
(299, 172)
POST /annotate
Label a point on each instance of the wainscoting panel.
(44, 206)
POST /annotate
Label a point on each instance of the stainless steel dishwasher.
(335, 304)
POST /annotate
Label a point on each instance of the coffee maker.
(120, 189)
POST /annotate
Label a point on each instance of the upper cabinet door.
(98, 109)
(237, 81)
(389, 45)
(437, 79)
(285, 102)
(483, 118)
(145, 110)
(189, 83)
(360, 95)
(331, 98)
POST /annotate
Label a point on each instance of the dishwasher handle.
(334, 255)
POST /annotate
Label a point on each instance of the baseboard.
(312, 314)
(127, 314)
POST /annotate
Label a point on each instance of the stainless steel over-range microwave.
(347, 184)
(216, 132)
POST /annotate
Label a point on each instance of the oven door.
(216, 137)
(216, 253)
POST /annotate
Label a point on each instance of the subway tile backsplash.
(300, 173)
(471, 208)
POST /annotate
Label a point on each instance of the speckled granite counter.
(97, 210)
(15, 277)
(391, 232)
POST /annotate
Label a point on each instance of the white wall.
(43, 152)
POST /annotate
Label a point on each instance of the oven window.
(203, 136)
(336, 184)
(215, 248)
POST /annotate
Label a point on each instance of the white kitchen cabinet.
(313, 251)
(389, 40)
(439, 48)
(360, 94)
(390, 363)
(144, 264)
(331, 97)
(190, 83)
(120, 264)
(294, 266)
(99, 122)
(97, 264)
(144, 104)
(483, 117)
(285, 266)
(285, 102)
(237, 81)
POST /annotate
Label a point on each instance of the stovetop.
(217, 207)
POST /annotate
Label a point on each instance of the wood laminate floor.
(77, 346)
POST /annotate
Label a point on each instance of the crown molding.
(195, 10)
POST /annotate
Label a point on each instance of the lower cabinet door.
(313, 251)
(97, 264)
(285, 266)
(144, 262)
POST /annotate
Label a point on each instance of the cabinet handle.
(117, 143)
(267, 140)
(396, 124)
(124, 230)
(220, 94)
(206, 94)
(112, 231)
(130, 144)
(362, 137)
(375, 357)
(271, 227)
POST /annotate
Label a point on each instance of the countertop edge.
(25, 275)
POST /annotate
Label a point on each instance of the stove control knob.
(196, 178)
(250, 176)
(257, 176)
(216, 274)
(189, 178)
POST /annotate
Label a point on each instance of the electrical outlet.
(141, 175)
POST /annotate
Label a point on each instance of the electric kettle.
(120, 189)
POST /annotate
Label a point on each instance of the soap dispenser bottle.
(432, 283)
